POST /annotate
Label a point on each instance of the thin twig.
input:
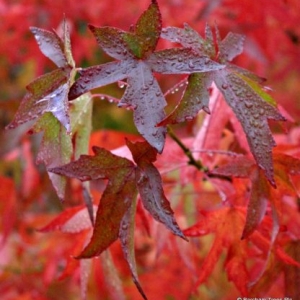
(187, 152)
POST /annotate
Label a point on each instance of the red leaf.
(257, 204)
(149, 184)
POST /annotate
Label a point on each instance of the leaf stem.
(187, 151)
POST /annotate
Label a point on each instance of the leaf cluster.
(61, 108)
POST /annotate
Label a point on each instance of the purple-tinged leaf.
(101, 75)
(145, 97)
(246, 73)
(51, 45)
(126, 235)
(181, 61)
(102, 165)
(253, 113)
(111, 40)
(187, 37)
(149, 185)
(143, 40)
(116, 199)
(195, 98)
(231, 46)
(47, 93)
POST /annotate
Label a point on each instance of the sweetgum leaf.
(135, 49)
(55, 149)
(143, 40)
(101, 75)
(231, 46)
(187, 37)
(47, 93)
(195, 98)
(116, 199)
(145, 96)
(51, 45)
(252, 106)
(253, 113)
(111, 40)
(114, 203)
(149, 184)
(181, 61)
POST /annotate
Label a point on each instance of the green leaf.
(195, 98)
(55, 149)
(143, 40)
(81, 123)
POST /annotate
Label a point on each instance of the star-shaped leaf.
(116, 211)
(47, 103)
(137, 61)
(240, 88)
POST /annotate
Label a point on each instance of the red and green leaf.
(137, 62)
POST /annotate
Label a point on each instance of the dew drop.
(248, 104)
(224, 86)
(191, 65)
(124, 226)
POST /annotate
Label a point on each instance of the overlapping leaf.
(136, 62)
(47, 102)
(252, 106)
(49, 92)
(260, 190)
(116, 211)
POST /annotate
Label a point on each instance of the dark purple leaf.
(116, 199)
(231, 46)
(111, 40)
(51, 45)
(149, 185)
(101, 75)
(195, 98)
(145, 97)
(47, 93)
(181, 61)
(253, 113)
